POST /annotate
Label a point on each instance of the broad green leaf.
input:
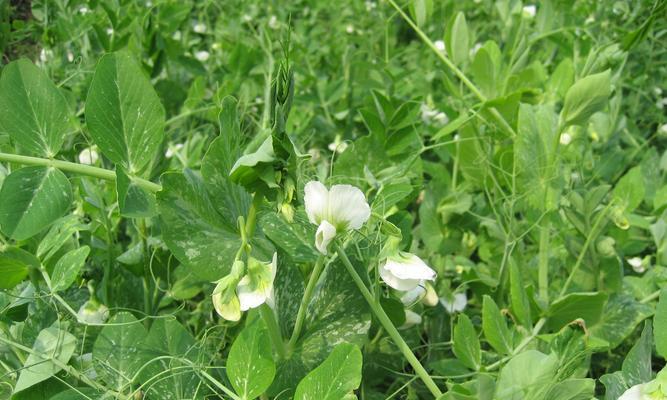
(33, 111)
(67, 268)
(620, 317)
(167, 343)
(457, 40)
(295, 238)
(133, 200)
(495, 327)
(31, 199)
(466, 343)
(12, 272)
(587, 306)
(336, 314)
(194, 231)
(59, 233)
(629, 191)
(116, 350)
(123, 113)
(562, 78)
(586, 97)
(82, 393)
(535, 156)
(255, 170)
(614, 385)
(518, 296)
(230, 199)
(661, 324)
(526, 376)
(51, 344)
(572, 389)
(250, 365)
(289, 286)
(337, 376)
(637, 364)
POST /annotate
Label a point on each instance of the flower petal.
(397, 283)
(457, 304)
(230, 310)
(316, 200)
(412, 296)
(409, 266)
(348, 206)
(250, 294)
(634, 393)
(324, 235)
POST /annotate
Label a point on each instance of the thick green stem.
(543, 265)
(389, 326)
(274, 330)
(80, 169)
(307, 296)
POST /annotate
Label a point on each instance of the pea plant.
(370, 200)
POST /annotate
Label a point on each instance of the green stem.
(587, 243)
(543, 265)
(67, 368)
(274, 330)
(307, 296)
(462, 77)
(389, 326)
(651, 297)
(81, 169)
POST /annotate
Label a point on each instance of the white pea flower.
(83, 10)
(412, 296)
(440, 45)
(405, 271)
(235, 293)
(634, 393)
(565, 139)
(663, 129)
(202, 55)
(349, 29)
(177, 35)
(339, 209)
(273, 22)
(456, 304)
(89, 156)
(199, 27)
(529, 10)
(256, 288)
(411, 319)
(92, 312)
(172, 150)
(70, 56)
(638, 264)
(338, 145)
(247, 18)
(110, 31)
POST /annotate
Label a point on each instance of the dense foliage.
(333, 200)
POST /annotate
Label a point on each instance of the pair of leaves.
(126, 120)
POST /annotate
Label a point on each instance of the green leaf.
(661, 324)
(230, 199)
(629, 191)
(133, 200)
(535, 156)
(169, 340)
(12, 272)
(67, 268)
(587, 306)
(620, 317)
(637, 364)
(526, 376)
(33, 111)
(421, 10)
(250, 367)
(337, 314)
(51, 344)
(296, 238)
(456, 38)
(59, 233)
(116, 349)
(31, 199)
(123, 113)
(572, 389)
(255, 170)
(466, 343)
(518, 296)
(194, 231)
(494, 327)
(614, 385)
(586, 97)
(337, 376)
